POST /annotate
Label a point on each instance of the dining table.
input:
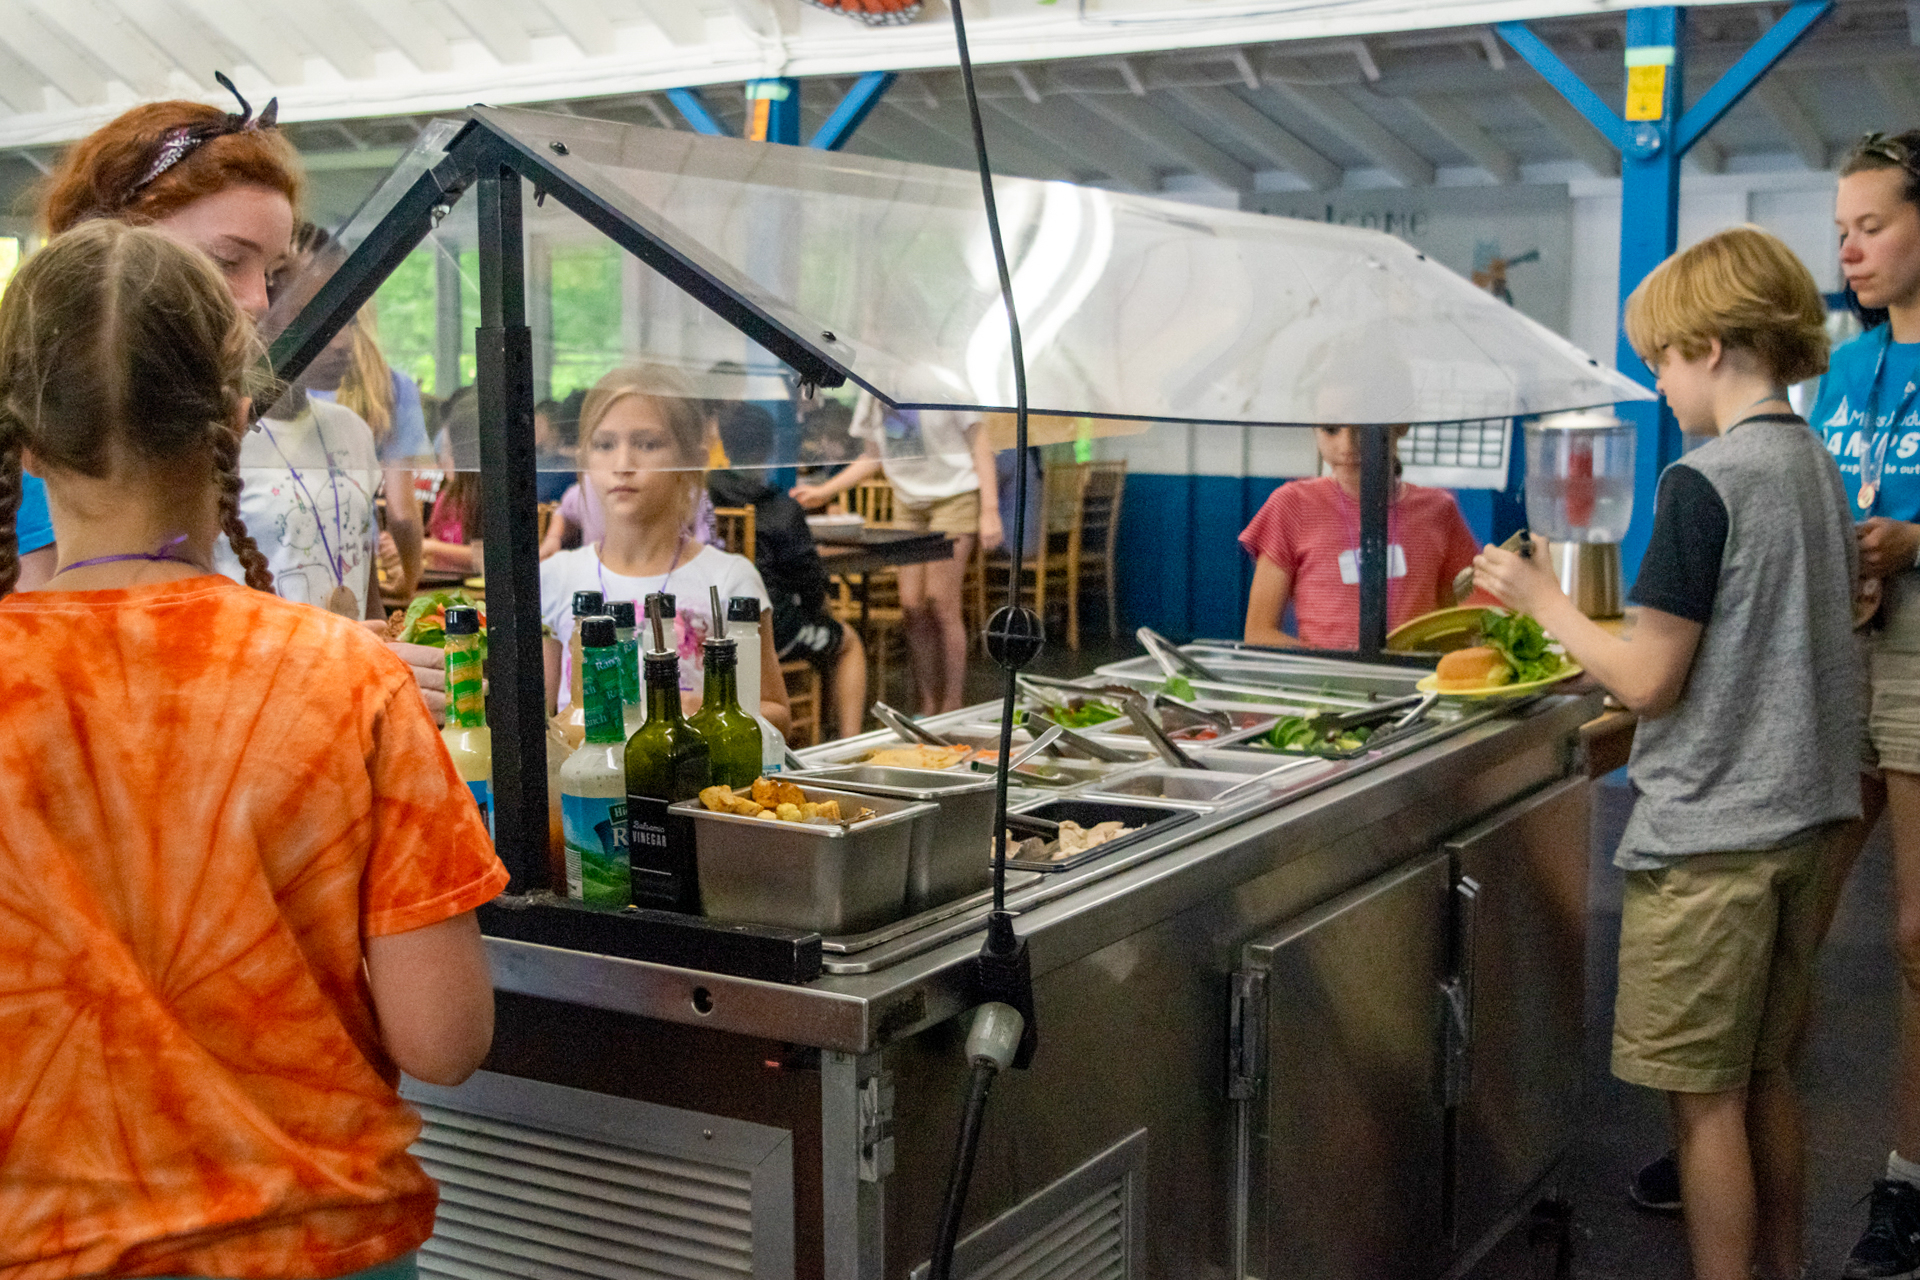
(876, 548)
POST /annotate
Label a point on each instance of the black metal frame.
(483, 156)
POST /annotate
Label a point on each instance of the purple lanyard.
(600, 572)
(162, 553)
(335, 564)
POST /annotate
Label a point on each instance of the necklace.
(1873, 459)
(162, 554)
(341, 599)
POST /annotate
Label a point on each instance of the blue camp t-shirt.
(406, 444)
(33, 526)
(1840, 416)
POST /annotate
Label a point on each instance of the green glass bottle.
(632, 698)
(593, 792)
(667, 761)
(733, 736)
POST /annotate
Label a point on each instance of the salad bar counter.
(1307, 951)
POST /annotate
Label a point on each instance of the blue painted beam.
(693, 109)
(853, 110)
(1566, 81)
(1744, 74)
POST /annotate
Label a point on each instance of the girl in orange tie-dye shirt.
(237, 869)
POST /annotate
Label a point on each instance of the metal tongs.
(1521, 544)
(906, 729)
(1171, 660)
(1077, 742)
(1201, 715)
(1149, 726)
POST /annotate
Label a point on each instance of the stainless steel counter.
(1393, 943)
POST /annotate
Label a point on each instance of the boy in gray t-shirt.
(1740, 662)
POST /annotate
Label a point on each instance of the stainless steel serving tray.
(946, 860)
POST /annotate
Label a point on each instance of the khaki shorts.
(1716, 965)
(1893, 709)
(955, 516)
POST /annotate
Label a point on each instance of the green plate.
(1442, 631)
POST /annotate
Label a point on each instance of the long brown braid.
(226, 474)
(9, 509)
(118, 346)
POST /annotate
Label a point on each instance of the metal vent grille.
(1089, 1225)
(618, 1191)
(1088, 1242)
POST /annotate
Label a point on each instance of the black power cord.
(1003, 972)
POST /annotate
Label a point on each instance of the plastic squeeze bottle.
(593, 781)
(743, 624)
(633, 703)
(573, 721)
(468, 739)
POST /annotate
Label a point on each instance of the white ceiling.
(66, 66)
(1389, 101)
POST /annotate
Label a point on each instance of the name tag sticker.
(1350, 564)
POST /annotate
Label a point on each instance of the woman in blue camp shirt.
(1868, 413)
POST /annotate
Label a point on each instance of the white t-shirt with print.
(924, 452)
(307, 492)
(566, 572)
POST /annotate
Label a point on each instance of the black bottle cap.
(666, 603)
(463, 620)
(587, 603)
(743, 609)
(621, 611)
(596, 633)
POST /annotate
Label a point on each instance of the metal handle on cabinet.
(1457, 996)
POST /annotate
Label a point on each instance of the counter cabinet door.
(1342, 1133)
(1520, 943)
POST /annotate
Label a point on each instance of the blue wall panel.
(1181, 570)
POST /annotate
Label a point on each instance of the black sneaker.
(1656, 1187)
(1891, 1248)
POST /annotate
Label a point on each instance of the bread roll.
(1475, 668)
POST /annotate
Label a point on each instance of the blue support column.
(1649, 232)
(1652, 142)
(693, 109)
(852, 111)
(773, 111)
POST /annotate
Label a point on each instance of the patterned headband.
(179, 143)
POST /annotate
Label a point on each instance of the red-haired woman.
(229, 185)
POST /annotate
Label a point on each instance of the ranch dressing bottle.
(593, 781)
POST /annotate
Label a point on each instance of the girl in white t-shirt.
(643, 451)
(943, 477)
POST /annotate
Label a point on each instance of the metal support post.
(516, 709)
(1376, 493)
(1652, 139)
(773, 111)
(1649, 232)
(853, 110)
(693, 109)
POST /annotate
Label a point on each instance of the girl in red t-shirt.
(1306, 542)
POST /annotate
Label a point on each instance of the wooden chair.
(547, 511)
(1055, 571)
(803, 695)
(734, 525)
(870, 498)
(884, 634)
(1100, 532)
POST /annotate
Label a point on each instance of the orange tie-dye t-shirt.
(208, 798)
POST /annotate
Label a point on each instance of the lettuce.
(1519, 640)
(426, 619)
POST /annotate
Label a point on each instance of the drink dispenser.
(1580, 498)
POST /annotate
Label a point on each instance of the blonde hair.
(367, 386)
(1742, 286)
(671, 398)
(115, 341)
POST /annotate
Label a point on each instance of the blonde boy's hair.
(1742, 286)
